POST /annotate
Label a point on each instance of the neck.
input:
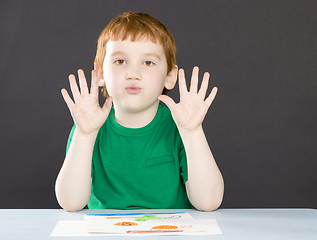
(136, 119)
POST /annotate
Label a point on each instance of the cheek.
(112, 76)
(111, 86)
(111, 83)
(159, 80)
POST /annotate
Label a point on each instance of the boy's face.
(135, 74)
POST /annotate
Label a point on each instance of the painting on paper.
(142, 223)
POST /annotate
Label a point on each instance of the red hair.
(137, 26)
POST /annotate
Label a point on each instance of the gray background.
(261, 126)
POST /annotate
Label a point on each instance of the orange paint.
(157, 231)
(165, 227)
(124, 224)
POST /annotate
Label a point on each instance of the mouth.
(133, 89)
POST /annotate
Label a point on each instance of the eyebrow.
(145, 54)
(152, 55)
(116, 53)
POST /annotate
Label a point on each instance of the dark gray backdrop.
(261, 126)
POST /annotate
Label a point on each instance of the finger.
(74, 87)
(194, 80)
(94, 90)
(82, 82)
(204, 85)
(67, 99)
(211, 96)
(107, 106)
(182, 81)
(168, 101)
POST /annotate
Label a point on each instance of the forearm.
(205, 185)
(73, 184)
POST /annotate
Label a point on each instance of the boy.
(138, 153)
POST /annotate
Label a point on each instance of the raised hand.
(190, 112)
(85, 109)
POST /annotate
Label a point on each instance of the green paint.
(147, 218)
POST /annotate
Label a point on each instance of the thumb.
(168, 101)
(107, 105)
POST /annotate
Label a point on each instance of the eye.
(149, 63)
(120, 62)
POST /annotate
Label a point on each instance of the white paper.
(142, 223)
(77, 229)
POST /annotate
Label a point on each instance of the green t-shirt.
(139, 167)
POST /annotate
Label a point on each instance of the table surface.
(234, 223)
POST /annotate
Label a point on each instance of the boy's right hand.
(85, 109)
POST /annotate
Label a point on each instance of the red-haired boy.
(138, 153)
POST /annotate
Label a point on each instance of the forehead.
(134, 47)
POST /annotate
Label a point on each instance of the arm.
(73, 184)
(205, 183)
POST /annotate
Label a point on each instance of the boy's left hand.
(190, 112)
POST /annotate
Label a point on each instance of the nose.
(133, 73)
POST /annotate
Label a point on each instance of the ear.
(171, 78)
(101, 79)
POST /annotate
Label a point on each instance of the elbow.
(71, 207)
(209, 204)
(209, 207)
(69, 204)
(69, 201)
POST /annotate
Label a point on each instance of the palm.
(85, 109)
(189, 113)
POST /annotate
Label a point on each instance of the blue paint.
(132, 214)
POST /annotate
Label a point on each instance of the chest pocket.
(158, 161)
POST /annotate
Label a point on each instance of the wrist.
(185, 131)
(79, 134)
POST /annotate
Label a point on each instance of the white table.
(241, 224)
